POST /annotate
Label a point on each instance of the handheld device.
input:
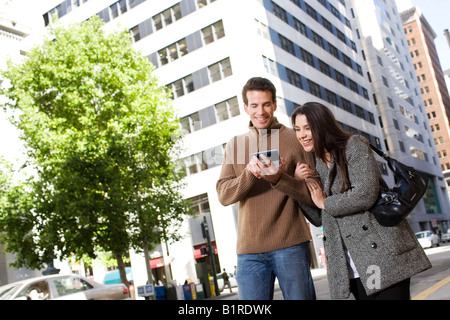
(273, 156)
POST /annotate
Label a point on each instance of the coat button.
(324, 238)
(374, 245)
(365, 227)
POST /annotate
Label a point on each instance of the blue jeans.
(256, 274)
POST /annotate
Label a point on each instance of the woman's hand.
(317, 194)
(303, 171)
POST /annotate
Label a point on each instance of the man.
(273, 237)
(226, 280)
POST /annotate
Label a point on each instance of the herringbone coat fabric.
(383, 256)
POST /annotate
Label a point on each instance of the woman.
(363, 258)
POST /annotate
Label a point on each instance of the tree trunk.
(121, 266)
(147, 263)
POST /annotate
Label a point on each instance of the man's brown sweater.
(269, 218)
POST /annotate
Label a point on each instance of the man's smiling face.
(260, 108)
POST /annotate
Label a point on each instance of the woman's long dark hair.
(327, 135)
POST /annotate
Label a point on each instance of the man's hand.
(266, 170)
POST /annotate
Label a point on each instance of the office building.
(420, 37)
(400, 105)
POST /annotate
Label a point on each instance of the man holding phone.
(273, 236)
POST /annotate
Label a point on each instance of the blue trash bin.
(187, 292)
(160, 293)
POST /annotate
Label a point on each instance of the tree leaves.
(99, 130)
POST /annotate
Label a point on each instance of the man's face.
(260, 108)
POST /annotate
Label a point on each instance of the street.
(433, 284)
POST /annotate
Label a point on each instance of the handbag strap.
(379, 152)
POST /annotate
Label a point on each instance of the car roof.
(40, 278)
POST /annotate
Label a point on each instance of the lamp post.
(211, 253)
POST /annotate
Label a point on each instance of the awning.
(156, 263)
(114, 276)
(197, 252)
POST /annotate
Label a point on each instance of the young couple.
(327, 175)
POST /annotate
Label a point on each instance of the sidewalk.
(317, 274)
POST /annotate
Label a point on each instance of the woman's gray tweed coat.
(383, 256)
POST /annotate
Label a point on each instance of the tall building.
(400, 105)
(206, 50)
(420, 37)
(11, 34)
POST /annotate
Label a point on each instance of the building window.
(204, 160)
(167, 17)
(181, 87)
(287, 44)
(279, 12)
(331, 97)
(270, 66)
(307, 57)
(227, 109)
(359, 112)
(347, 106)
(135, 34)
(353, 85)
(324, 68)
(310, 11)
(262, 29)
(333, 50)
(300, 27)
(203, 3)
(220, 70)
(327, 24)
(314, 89)
(318, 40)
(173, 52)
(206, 117)
(340, 78)
(213, 32)
(294, 78)
(347, 60)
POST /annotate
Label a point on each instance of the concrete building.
(400, 105)
(420, 37)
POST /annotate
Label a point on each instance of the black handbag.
(394, 205)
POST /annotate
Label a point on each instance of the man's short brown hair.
(259, 84)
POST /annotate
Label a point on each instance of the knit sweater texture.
(269, 217)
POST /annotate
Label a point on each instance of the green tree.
(101, 135)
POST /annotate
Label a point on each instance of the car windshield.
(7, 291)
(420, 235)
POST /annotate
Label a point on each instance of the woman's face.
(303, 133)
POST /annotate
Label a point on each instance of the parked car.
(445, 236)
(63, 287)
(220, 282)
(427, 239)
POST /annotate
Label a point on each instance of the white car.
(63, 287)
(427, 239)
(445, 237)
